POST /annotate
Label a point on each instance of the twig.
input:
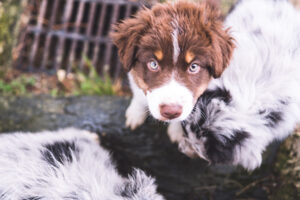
(251, 185)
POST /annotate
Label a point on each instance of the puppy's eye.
(194, 68)
(153, 66)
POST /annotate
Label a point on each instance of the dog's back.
(267, 59)
(65, 164)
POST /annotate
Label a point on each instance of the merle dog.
(257, 99)
(65, 164)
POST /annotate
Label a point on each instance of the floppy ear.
(126, 36)
(222, 42)
(223, 46)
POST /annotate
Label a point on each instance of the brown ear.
(223, 45)
(222, 42)
(212, 12)
(126, 35)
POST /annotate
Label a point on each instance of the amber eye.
(153, 66)
(194, 68)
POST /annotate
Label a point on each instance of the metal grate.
(60, 33)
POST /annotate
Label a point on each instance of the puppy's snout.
(170, 111)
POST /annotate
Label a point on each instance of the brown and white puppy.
(171, 52)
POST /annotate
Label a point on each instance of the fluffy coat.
(65, 164)
(257, 99)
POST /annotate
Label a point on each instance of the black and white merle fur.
(65, 164)
(257, 99)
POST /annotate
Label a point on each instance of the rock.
(148, 148)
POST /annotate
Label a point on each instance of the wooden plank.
(128, 11)
(69, 35)
(100, 27)
(77, 30)
(88, 33)
(42, 12)
(61, 39)
(119, 65)
(117, 70)
(48, 37)
(108, 53)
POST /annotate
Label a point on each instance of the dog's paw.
(249, 156)
(175, 132)
(135, 116)
(185, 148)
(193, 148)
(251, 163)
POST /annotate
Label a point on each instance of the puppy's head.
(172, 51)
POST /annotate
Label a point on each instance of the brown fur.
(201, 39)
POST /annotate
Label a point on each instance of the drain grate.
(62, 33)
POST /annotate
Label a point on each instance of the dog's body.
(66, 164)
(257, 99)
(171, 52)
(253, 103)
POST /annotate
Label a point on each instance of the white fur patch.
(176, 48)
(136, 113)
(172, 92)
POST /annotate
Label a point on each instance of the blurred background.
(62, 47)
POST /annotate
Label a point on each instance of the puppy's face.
(172, 51)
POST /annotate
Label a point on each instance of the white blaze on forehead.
(176, 49)
(172, 93)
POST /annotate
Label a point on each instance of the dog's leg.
(175, 132)
(136, 113)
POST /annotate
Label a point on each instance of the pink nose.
(170, 111)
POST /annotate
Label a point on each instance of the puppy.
(171, 53)
(257, 99)
(65, 164)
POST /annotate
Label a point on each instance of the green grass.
(18, 86)
(92, 83)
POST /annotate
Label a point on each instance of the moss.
(287, 170)
(10, 11)
(285, 192)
